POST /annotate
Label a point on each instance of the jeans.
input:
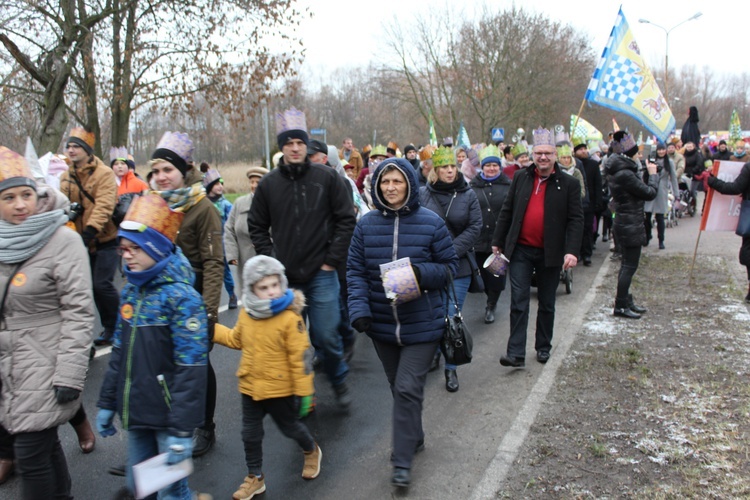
(284, 413)
(523, 264)
(147, 443)
(228, 279)
(345, 327)
(323, 310)
(104, 262)
(461, 286)
(406, 369)
(42, 466)
(628, 267)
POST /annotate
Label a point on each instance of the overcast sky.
(345, 33)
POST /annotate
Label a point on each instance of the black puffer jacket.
(491, 195)
(693, 163)
(629, 193)
(459, 208)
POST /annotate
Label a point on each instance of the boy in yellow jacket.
(275, 372)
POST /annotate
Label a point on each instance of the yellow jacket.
(276, 353)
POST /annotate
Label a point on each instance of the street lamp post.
(666, 52)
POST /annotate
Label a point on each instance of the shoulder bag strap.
(80, 187)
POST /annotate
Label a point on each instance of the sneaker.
(253, 485)
(104, 339)
(313, 458)
(343, 397)
(512, 361)
(203, 440)
(232, 302)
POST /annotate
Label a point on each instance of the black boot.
(492, 297)
(747, 297)
(489, 314)
(635, 308)
(451, 380)
(622, 310)
(435, 361)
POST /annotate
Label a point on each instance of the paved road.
(464, 430)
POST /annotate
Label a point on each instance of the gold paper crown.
(564, 150)
(87, 137)
(579, 141)
(179, 143)
(12, 165)
(392, 145)
(443, 156)
(378, 150)
(291, 119)
(519, 149)
(426, 153)
(367, 148)
(489, 151)
(153, 211)
(543, 137)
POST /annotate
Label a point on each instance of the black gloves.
(88, 235)
(66, 394)
(417, 275)
(211, 327)
(362, 324)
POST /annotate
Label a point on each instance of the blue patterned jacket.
(158, 367)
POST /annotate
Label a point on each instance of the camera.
(75, 211)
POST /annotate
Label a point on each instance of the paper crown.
(519, 149)
(561, 135)
(426, 153)
(153, 211)
(210, 177)
(491, 152)
(739, 144)
(448, 142)
(12, 165)
(564, 150)
(443, 156)
(179, 143)
(367, 149)
(291, 119)
(118, 154)
(543, 137)
(378, 150)
(88, 137)
(473, 156)
(579, 141)
(392, 145)
(625, 144)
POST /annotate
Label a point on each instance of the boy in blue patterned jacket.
(156, 380)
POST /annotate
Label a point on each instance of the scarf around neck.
(183, 199)
(265, 308)
(19, 242)
(140, 278)
(452, 186)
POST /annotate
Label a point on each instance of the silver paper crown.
(291, 119)
(120, 153)
(561, 135)
(625, 144)
(179, 143)
(543, 137)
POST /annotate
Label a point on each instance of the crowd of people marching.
(309, 241)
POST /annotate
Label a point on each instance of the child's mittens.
(306, 404)
(104, 423)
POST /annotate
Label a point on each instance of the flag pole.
(575, 124)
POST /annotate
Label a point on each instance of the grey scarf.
(19, 242)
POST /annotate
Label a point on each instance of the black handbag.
(477, 283)
(743, 225)
(456, 344)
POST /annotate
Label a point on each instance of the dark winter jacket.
(693, 163)
(593, 184)
(491, 195)
(157, 371)
(629, 193)
(311, 214)
(459, 208)
(690, 130)
(563, 215)
(384, 235)
(722, 156)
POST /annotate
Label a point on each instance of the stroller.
(686, 201)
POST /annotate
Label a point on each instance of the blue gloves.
(180, 448)
(104, 423)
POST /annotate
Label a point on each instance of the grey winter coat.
(47, 334)
(667, 176)
(237, 243)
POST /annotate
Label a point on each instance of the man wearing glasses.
(539, 230)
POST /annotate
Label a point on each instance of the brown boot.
(6, 469)
(86, 436)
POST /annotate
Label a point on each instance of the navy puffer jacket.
(460, 209)
(384, 235)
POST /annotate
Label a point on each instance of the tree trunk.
(122, 62)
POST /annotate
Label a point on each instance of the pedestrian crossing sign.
(498, 134)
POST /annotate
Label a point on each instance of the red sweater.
(532, 228)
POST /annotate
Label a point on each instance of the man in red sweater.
(539, 230)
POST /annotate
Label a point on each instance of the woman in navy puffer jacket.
(405, 335)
